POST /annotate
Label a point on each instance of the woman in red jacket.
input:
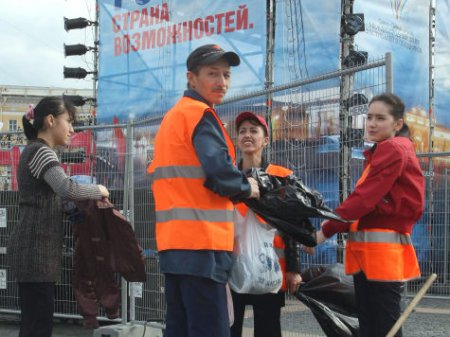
(387, 201)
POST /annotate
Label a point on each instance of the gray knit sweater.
(35, 244)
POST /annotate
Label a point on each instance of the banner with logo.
(401, 28)
(144, 44)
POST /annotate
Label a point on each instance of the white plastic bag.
(230, 305)
(256, 269)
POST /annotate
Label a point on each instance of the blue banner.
(401, 28)
(442, 66)
(144, 44)
(307, 39)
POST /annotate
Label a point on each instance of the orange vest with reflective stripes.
(278, 243)
(382, 254)
(188, 215)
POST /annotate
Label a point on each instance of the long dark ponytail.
(33, 121)
(397, 110)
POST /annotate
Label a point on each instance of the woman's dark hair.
(397, 110)
(50, 105)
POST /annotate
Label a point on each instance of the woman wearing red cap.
(252, 139)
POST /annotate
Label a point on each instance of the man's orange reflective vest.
(278, 243)
(382, 254)
(188, 215)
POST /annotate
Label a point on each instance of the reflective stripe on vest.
(188, 215)
(380, 237)
(194, 214)
(178, 172)
(382, 254)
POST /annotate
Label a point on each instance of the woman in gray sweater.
(35, 245)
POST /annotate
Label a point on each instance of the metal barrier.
(306, 136)
(431, 233)
(306, 132)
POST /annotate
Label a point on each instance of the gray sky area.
(31, 42)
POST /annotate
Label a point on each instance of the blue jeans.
(196, 307)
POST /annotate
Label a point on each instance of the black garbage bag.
(286, 204)
(333, 323)
(330, 285)
(330, 296)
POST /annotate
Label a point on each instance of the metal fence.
(431, 233)
(316, 130)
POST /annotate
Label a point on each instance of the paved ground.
(431, 318)
(9, 327)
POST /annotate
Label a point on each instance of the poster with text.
(144, 44)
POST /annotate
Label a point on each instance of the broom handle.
(411, 305)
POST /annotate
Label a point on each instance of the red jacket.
(393, 194)
(104, 244)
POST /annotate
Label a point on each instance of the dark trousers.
(37, 305)
(266, 313)
(196, 307)
(378, 304)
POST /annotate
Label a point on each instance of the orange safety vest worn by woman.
(382, 254)
(278, 243)
(386, 205)
(188, 215)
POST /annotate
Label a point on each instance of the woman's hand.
(103, 191)
(320, 237)
(308, 250)
(254, 188)
(293, 281)
(322, 223)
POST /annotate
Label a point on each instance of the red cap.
(246, 115)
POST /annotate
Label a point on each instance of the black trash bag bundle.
(330, 295)
(286, 204)
(330, 284)
(333, 323)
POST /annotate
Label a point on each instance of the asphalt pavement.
(431, 318)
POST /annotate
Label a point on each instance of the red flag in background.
(120, 143)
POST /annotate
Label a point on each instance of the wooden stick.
(401, 320)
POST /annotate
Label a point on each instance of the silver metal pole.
(345, 91)
(432, 39)
(433, 154)
(446, 226)
(126, 207)
(294, 84)
(130, 208)
(96, 46)
(389, 73)
(430, 176)
(270, 51)
(345, 150)
(94, 91)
